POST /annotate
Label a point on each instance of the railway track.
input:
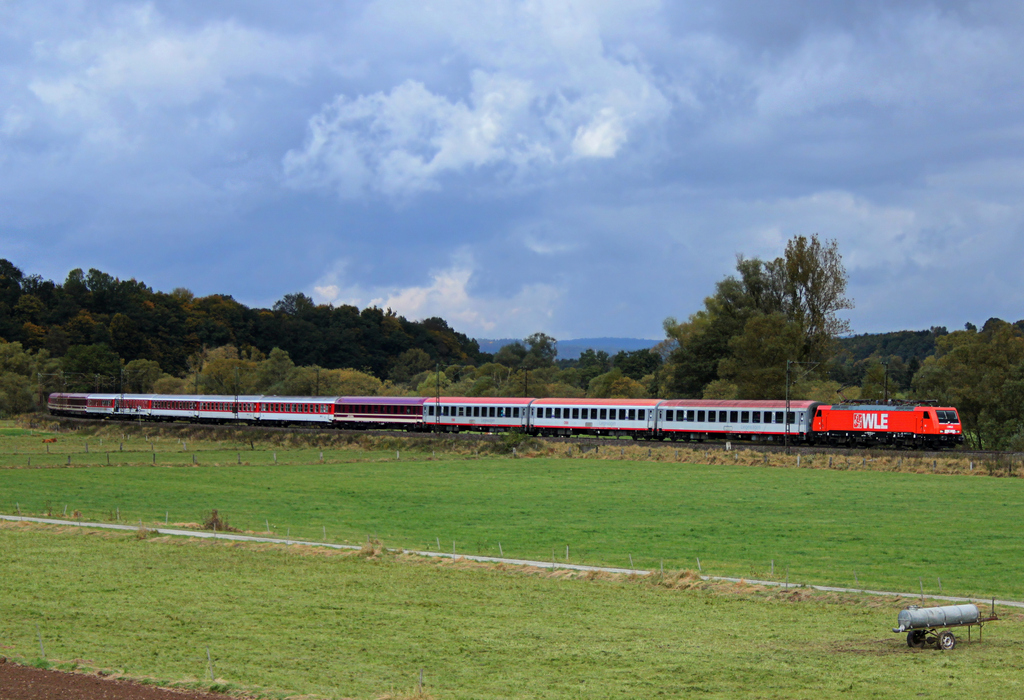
(583, 442)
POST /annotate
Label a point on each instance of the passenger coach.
(696, 419)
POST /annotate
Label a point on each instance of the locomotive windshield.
(948, 417)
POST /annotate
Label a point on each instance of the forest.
(94, 332)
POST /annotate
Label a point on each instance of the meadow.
(950, 533)
(281, 621)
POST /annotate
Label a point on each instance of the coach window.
(792, 417)
(558, 413)
(744, 416)
(631, 415)
(757, 416)
(712, 416)
(491, 411)
(670, 416)
(733, 416)
(444, 410)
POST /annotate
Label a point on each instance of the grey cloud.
(601, 161)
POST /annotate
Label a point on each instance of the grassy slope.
(891, 528)
(346, 626)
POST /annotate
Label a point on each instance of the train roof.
(496, 400)
(886, 407)
(384, 400)
(599, 402)
(774, 405)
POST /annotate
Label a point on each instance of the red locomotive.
(894, 423)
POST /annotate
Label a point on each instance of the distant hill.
(571, 349)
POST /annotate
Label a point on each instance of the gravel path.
(501, 560)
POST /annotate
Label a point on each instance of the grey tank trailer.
(929, 626)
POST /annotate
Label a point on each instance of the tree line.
(94, 332)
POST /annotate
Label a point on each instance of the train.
(898, 424)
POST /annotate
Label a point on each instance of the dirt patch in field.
(28, 683)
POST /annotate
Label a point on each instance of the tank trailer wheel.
(946, 640)
(915, 639)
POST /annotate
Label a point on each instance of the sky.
(582, 169)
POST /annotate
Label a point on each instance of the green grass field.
(286, 622)
(880, 530)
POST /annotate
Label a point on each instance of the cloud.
(135, 65)
(449, 295)
(542, 96)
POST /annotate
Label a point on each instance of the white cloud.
(544, 91)
(448, 295)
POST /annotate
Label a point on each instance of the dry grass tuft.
(217, 522)
(371, 549)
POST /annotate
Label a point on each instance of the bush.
(514, 439)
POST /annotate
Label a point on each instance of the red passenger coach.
(913, 425)
(67, 404)
(379, 412)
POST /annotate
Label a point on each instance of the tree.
(91, 368)
(294, 304)
(797, 296)
(614, 385)
(409, 364)
(511, 355)
(124, 337)
(981, 373)
(638, 363)
(273, 370)
(814, 292)
(141, 375)
(16, 394)
(542, 351)
(756, 364)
